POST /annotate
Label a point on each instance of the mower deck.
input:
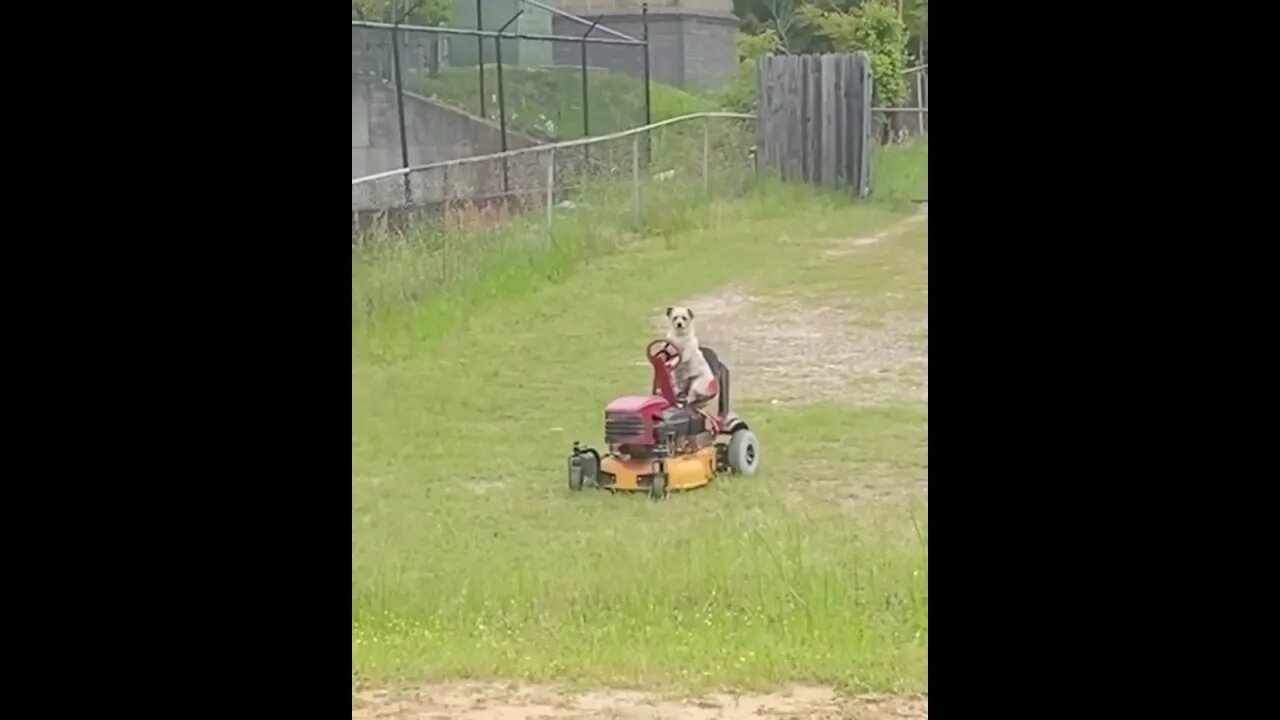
(684, 472)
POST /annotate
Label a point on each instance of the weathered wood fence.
(814, 119)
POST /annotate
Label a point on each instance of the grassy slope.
(471, 559)
(550, 100)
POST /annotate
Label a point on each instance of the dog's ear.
(690, 313)
(669, 312)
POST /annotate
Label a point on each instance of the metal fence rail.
(565, 202)
(586, 141)
(631, 172)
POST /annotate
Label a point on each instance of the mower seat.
(720, 385)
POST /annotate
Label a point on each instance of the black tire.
(722, 458)
(744, 452)
(587, 471)
(658, 489)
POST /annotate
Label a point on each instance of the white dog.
(693, 374)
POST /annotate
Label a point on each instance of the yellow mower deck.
(684, 472)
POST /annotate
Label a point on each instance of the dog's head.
(680, 319)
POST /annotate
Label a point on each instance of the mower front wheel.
(658, 489)
(584, 465)
(744, 452)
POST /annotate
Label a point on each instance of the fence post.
(480, 57)
(586, 96)
(924, 87)
(920, 101)
(867, 81)
(404, 140)
(706, 156)
(502, 104)
(551, 198)
(635, 179)
(586, 116)
(648, 115)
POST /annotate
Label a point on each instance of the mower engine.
(647, 427)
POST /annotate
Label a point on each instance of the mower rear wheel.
(744, 452)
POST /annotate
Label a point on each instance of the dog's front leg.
(682, 389)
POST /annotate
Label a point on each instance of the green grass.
(471, 558)
(549, 100)
(900, 173)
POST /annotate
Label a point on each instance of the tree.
(782, 14)
(915, 16)
(874, 27)
(420, 12)
(427, 12)
(784, 17)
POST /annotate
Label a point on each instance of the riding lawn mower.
(659, 442)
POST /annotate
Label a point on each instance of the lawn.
(470, 558)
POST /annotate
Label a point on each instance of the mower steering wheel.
(668, 352)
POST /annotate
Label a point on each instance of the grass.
(470, 557)
(548, 101)
(900, 173)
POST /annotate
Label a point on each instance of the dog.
(693, 375)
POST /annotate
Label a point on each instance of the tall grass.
(900, 173)
(680, 594)
(438, 271)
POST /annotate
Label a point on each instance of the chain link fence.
(911, 120)
(497, 217)
(900, 157)
(489, 81)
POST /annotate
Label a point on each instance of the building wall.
(686, 49)
(435, 132)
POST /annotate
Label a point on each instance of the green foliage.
(826, 26)
(916, 17)
(901, 174)
(765, 42)
(739, 94)
(428, 12)
(874, 27)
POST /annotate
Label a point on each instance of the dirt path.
(792, 349)
(510, 701)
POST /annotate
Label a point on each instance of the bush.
(874, 27)
(739, 94)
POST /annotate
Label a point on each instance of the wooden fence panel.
(814, 119)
